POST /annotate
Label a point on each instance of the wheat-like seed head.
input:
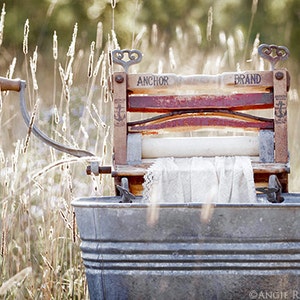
(231, 49)
(114, 40)
(71, 51)
(91, 60)
(140, 36)
(254, 7)
(222, 38)
(99, 37)
(55, 46)
(240, 39)
(56, 115)
(33, 74)
(198, 33)
(154, 35)
(209, 24)
(11, 69)
(69, 71)
(113, 3)
(2, 18)
(25, 39)
(64, 120)
(33, 68)
(97, 67)
(172, 59)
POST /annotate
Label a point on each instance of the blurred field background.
(60, 47)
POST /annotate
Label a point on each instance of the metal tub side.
(239, 251)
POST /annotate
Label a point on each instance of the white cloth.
(202, 180)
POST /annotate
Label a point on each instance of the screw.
(279, 75)
(89, 170)
(119, 79)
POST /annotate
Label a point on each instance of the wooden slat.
(280, 116)
(154, 83)
(258, 168)
(201, 120)
(165, 103)
(120, 117)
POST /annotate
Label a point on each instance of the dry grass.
(39, 254)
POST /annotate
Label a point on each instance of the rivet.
(279, 75)
(119, 79)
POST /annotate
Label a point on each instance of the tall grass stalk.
(2, 18)
(253, 12)
(25, 51)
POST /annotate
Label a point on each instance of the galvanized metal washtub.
(239, 252)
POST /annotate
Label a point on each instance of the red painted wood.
(164, 103)
(200, 121)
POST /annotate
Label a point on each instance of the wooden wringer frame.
(188, 104)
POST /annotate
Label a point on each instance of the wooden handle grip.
(10, 84)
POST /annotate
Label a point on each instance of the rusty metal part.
(7, 84)
(126, 196)
(101, 170)
(273, 53)
(273, 191)
(134, 57)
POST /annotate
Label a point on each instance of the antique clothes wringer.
(188, 103)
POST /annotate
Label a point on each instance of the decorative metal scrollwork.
(134, 57)
(273, 53)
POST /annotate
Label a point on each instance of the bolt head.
(119, 78)
(279, 75)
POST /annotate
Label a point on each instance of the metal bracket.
(273, 191)
(126, 196)
(273, 53)
(134, 57)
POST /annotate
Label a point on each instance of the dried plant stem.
(209, 24)
(99, 38)
(10, 283)
(86, 113)
(253, 12)
(113, 5)
(34, 112)
(25, 51)
(55, 56)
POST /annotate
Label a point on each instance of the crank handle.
(10, 84)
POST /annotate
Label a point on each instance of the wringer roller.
(241, 249)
